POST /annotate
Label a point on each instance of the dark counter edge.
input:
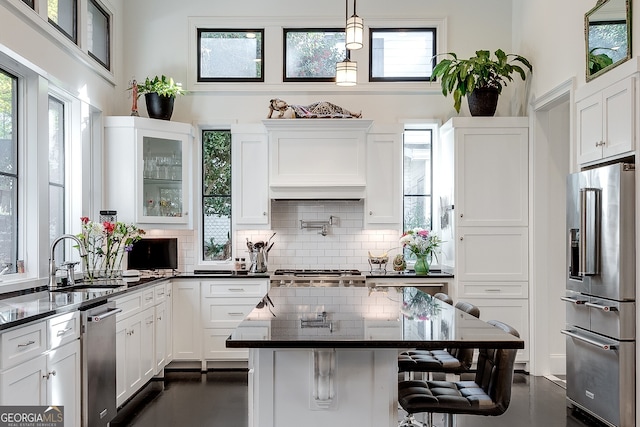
(130, 287)
(354, 344)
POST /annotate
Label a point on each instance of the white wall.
(161, 45)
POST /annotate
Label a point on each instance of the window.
(401, 54)
(56, 172)
(63, 14)
(230, 55)
(417, 205)
(29, 3)
(216, 195)
(8, 172)
(312, 54)
(98, 34)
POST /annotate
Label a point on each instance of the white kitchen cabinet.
(250, 177)
(514, 312)
(225, 303)
(148, 171)
(606, 122)
(485, 224)
(49, 375)
(187, 329)
(383, 199)
(169, 330)
(161, 326)
(492, 254)
(134, 353)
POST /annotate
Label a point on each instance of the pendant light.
(346, 71)
(354, 30)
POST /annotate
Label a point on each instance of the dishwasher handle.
(106, 314)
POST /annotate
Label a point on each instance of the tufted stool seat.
(450, 361)
(488, 394)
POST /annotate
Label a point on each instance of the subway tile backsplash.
(345, 245)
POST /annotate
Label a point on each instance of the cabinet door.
(147, 344)
(492, 254)
(163, 178)
(133, 353)
(514, 312)
(169, 329)
(383, 199)
(187, 329)
(492, 177)
(63, 384)
(618, 102)
(590, 128)
(250, 183)
(161, 337)
(24, 384)
(121, 362)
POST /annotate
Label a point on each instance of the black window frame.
(73, 37)
(201, 79)
(285, 31)
(434, 46)
(100, 9)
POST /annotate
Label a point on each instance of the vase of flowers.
(422, 244)
(106, 244)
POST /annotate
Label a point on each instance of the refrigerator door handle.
(599, 344)
(590, 221)
(602, 307)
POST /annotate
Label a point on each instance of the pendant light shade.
(354, 30)
(346, 73)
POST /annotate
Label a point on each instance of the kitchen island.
(328, 356)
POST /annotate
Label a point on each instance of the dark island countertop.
(363, 318)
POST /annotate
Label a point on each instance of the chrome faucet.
(52, 257)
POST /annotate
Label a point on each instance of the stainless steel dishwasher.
(98, 342)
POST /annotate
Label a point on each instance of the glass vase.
(421, 266)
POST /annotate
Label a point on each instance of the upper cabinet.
(148, 168)
(606, 122)
(383, 198)
(250, 177)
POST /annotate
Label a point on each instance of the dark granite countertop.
(363, 318)
(20, 307)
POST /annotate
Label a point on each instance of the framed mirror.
(607, 29)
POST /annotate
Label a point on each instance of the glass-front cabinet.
(147, 170)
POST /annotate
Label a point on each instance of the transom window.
(98, 34)
(63, 14)
(216, 195)
(401, 54)
(230, 55)
(312, 54)
(8, 172)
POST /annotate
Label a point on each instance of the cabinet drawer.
(160, 293)
(63, 329)
(130, 305)
(493, 290)
(23, 343)
(234, 288)
(234, 310)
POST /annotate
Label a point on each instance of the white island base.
(323, 387)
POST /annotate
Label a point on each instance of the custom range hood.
(322, 159)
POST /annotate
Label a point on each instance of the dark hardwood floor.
(219, 399)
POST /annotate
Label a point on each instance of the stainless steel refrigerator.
(600, 293)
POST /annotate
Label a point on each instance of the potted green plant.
(159, 94)
(479, 78)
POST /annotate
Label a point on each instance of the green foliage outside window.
(313, 54)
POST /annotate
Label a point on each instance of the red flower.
(108, 226)
(84, 219)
